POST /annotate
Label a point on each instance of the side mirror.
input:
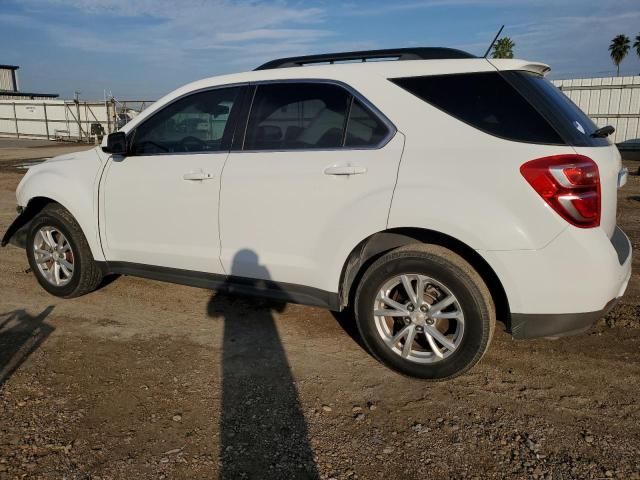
(116, 144)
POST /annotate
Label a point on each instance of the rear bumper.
(555, 325)
(565, 287)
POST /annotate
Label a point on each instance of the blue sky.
(144, 48)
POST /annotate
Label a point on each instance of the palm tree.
(503, 48)
(618, 50)
(636, 44)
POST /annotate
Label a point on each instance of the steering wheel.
(192, 140)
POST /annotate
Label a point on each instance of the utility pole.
(76, 99)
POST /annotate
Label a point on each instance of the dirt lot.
(149, 380)
(13, 151)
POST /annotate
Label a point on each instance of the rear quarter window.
(364, 129)
(573, 125)
(486, 101)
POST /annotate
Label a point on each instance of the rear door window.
(295, 116)
(486, 101)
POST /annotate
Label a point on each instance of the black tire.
(86, 273)
(460, 278)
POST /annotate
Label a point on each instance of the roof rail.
(422, 53)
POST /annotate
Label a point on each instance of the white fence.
(611, 101)
(63, 119)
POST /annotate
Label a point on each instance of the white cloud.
(152, 46)
(203, 10)
(399, 6)
(272, 34)
(164, 29)
(577, 45)
(381, 8)
(159, 44)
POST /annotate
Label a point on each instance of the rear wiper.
(603, 132)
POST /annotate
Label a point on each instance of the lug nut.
(419, 329)
(410, 308)
(423, 309)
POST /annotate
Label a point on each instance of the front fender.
(73, 184)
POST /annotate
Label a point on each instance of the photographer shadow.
(21, 334)
(263, 433)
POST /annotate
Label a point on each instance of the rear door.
(312, 178)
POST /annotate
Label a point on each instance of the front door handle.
(345, 170)
(197, 176)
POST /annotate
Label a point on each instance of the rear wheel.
(59, 254)
(424, 312)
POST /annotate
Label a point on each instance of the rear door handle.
(196, 176)
(345, 170)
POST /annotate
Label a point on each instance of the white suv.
(429, 190)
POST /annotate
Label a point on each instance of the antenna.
(494, 41)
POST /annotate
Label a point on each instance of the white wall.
(609, 101)
(62, 118)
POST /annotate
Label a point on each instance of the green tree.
(619, 49)
(636, 44)
(503, 48)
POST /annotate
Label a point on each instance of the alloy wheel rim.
(418, 318)
(53, 256)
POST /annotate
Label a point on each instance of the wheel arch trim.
(17, 232)
(372, 247)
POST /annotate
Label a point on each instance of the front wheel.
(425, 312)
(59, 254)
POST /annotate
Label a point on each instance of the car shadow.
(263, 433)
(346, 320)
(21, 334)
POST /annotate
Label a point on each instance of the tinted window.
(573, 124)
(363, 128)
(292, 116)
(485, 101)
(196, 123)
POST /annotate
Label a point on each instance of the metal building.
(9, 89)
(8, 78)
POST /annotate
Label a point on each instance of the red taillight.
(570, 184)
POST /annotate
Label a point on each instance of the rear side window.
(486, 101)
(292, 116)
(573, 124)
(364, 129)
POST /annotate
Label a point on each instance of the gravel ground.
(149, 380)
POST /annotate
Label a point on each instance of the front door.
(159, 204)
